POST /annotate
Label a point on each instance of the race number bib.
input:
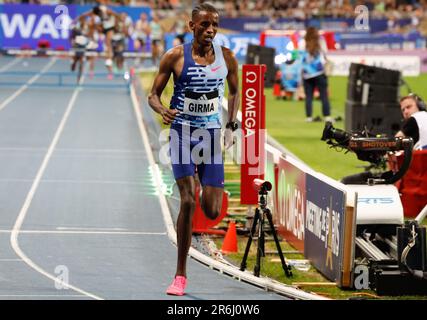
(108, 24)
(117, 37)
(201, 104)
(81, 40)
(92, 45)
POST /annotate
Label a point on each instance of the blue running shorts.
(191, 148)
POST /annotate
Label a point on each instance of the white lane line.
(99, 150)
(10, 64)
(22, 149)
(7, 180)
(41, 295)
(21, 216)
(86, 232)
(25, 86)
(75, 150)
(98, 182)
(91, 229)
(167, 216)
(146, 185)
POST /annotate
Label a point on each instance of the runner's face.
(205, 27)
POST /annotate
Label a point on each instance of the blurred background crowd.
(393, 10)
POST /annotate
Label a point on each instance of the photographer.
(415, 116)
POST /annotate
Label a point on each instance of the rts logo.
(375, 200)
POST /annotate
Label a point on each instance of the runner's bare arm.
(233, 84)
(159, 84)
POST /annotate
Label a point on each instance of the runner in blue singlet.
(199, 70)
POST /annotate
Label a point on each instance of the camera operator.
(415, 126)
(415, 116)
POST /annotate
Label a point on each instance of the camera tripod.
(260, 213)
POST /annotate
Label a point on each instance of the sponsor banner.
(249, 24)
(236, 42)
(324, 227)
(23, 26)
(253, 131)
(383, 42)
(291, 200)
(382, 207)
(409, 65)
(272, 158)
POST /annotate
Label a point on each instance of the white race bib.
(108, 24)
(92, 45)
(81, 40)
(117, 37)
(201, 104)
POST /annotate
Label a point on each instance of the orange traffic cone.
(230, 241)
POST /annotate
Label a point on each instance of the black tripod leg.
(260, 250)
(248, 244)
(285, 267)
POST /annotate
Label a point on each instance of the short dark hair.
(203, 7)
(418, 101)
(407, 97)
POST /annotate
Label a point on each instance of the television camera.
(371, 148)
(391, 250)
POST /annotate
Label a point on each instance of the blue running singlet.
(199, 90)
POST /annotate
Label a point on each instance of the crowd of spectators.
(155, 4)
(393, 10)
(320, 8)
(282, 8)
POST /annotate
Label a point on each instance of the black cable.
(411, 243)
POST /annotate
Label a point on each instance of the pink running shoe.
(177, 287)
(110, 76)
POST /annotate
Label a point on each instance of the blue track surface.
(76, 192)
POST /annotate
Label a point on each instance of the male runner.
(199, 70)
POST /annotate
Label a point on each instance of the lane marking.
(40, 295)
(76, 150)
(22, 149)
(25, 86)
(23, 212)
(10, 64)
(100, 150)
(167, 216)
(86, 232)
(142, 184)
(92, 229)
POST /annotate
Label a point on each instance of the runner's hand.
(228, 138)
(168, 115)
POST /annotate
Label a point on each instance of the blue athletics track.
(77, 201)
